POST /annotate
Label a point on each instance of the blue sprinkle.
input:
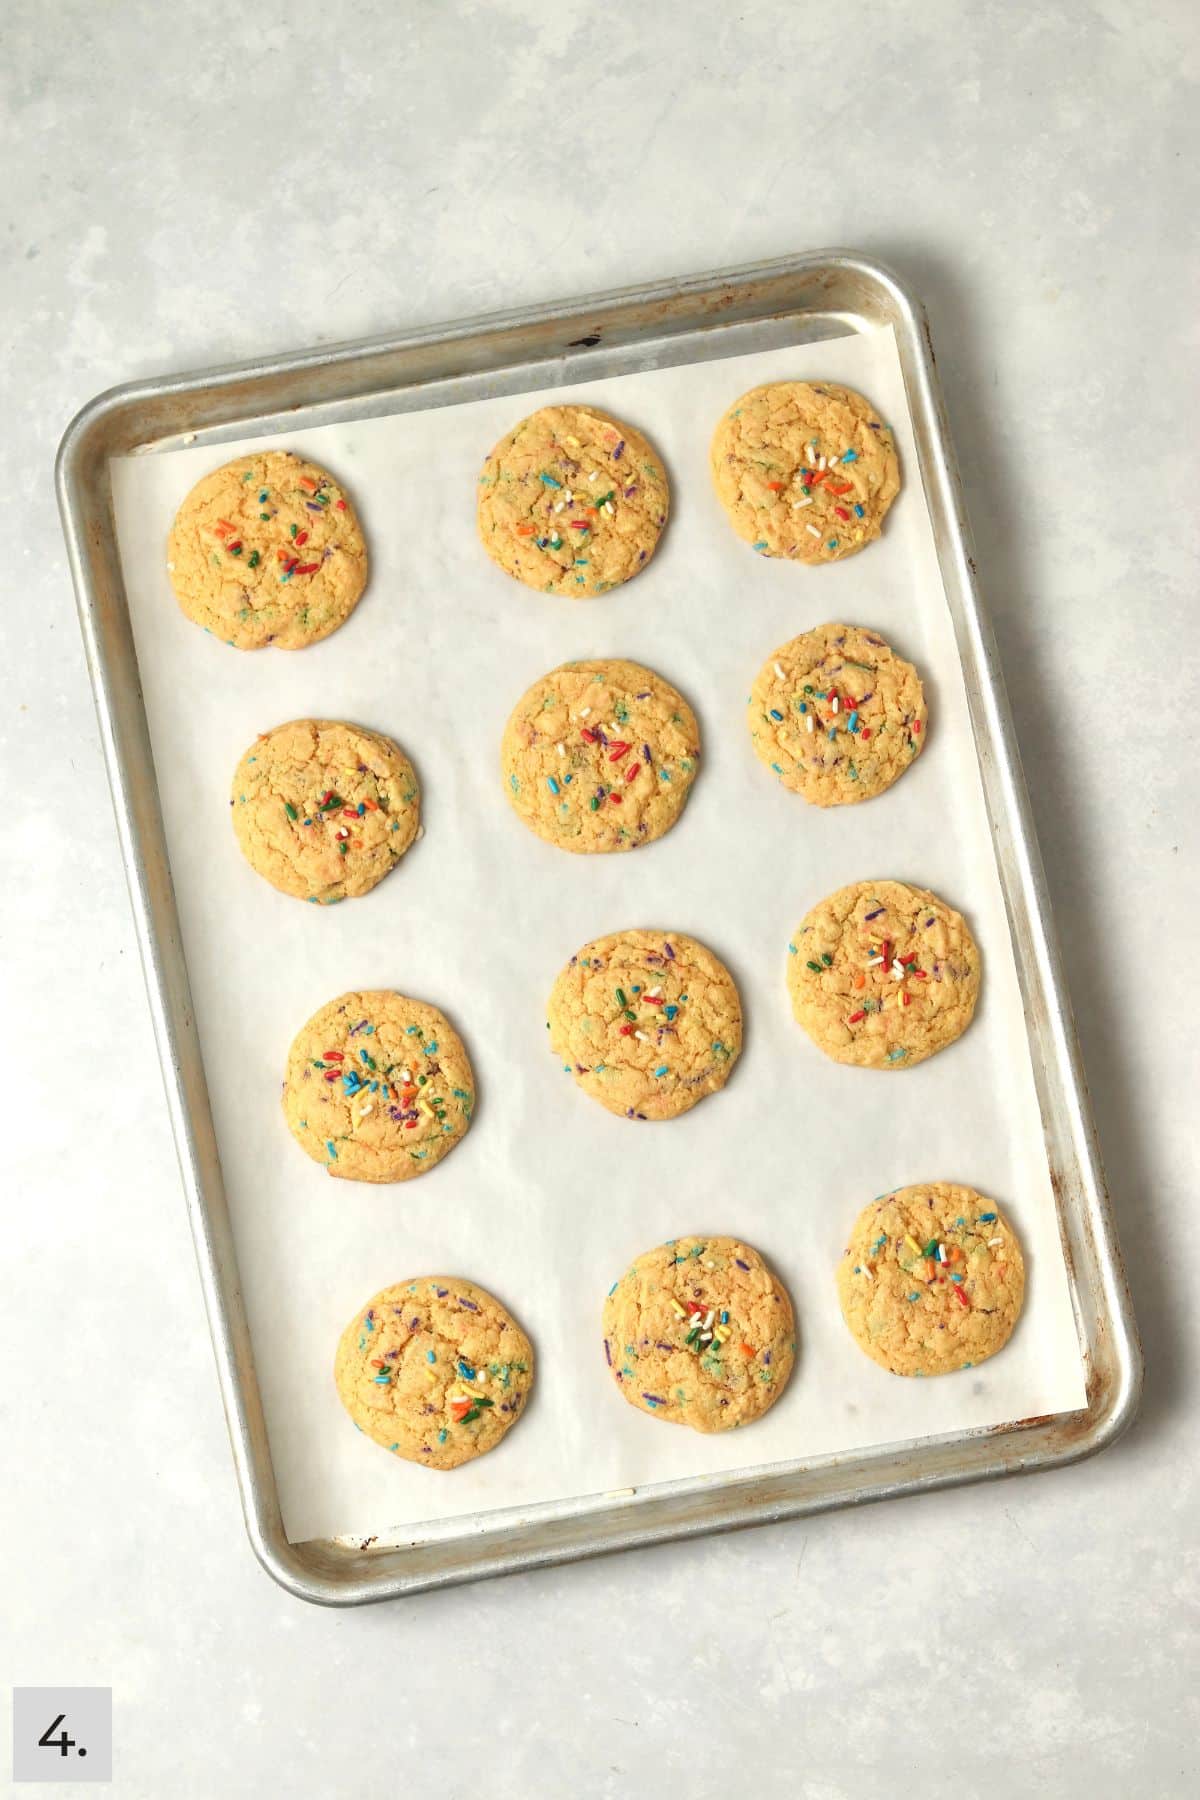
(792, 950)
(671, 1012)
(383, 1379)
(759, 546)
(804, 706)
(465, 1370)
(430, 1357)
(361, 809)
(550, 481)
(896, 1055)
(661, 1069)
(859, 510)
(443, 1434)
(832, 733)
(663, 776)
(849, 455)
(914, 1296)
(330, 1148)
(612, 1290)
(987, 1218)
(431, 1047)
(777, 768)
(777, 715)
(852, 722)
(833, 543)
(363, 1057)
(552, 784)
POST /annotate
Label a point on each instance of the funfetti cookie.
(267, 550)
(805, 470)
(572, 501)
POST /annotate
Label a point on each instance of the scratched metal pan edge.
(794, 299)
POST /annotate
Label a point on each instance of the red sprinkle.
(917, 727)
(334, 1055)
(855, 1017)
(626, 1030)
(920, 974)
(617, 751)
(301, 537)
(410, 1124)
(615, 798)
(580, 525)
(841, 512)
(961, 1297)
(589, 736)
(865, 732)
(632, 770)
(341, 505)
(332, 1075)
(306, 568)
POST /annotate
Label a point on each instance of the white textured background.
(194, 184)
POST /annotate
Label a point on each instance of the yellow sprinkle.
(678, 1309)
(913, 1246)
(721, 1333)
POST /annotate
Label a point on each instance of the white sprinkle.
(593, 474)
(834, 461)
(803, 501)
(897, 971)
(708, 1263)
(653, 993)
(708, 1318)
(369, 1108)
(561, 748)
(558, 505)
(821, 463)
(170, 565)
(998, 1240)
(780, 672)
(813, 529)
(642, 1035)
(406, 1076)
(867, 1273)
(942, 1253)
(836, 703)
(808, 723)
(568, 497)
(610, 509)
(584, 711)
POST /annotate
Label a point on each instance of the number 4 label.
(62, 1734)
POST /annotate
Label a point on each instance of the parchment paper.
(549, 1196)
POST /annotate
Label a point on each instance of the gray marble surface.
(192, 185)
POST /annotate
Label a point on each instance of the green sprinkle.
(896, 1055)
(254, 560)
(620, 997)
(290, 810)
(814, 966)
(293, 529)
(826, 959)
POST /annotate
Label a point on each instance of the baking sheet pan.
(438, 650)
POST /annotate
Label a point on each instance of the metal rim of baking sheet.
(795, 300)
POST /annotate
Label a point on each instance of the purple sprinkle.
(645, 753)
(618, 450)
(741, 1264)
(928, 923)
(599, 796)
(355, 1029)
(669, 951)
(664, 1346)
(654, 1399)
(878, 642)
(602, 737)
(441, 1292)
(414, 1324)
(469, 1304)
(643, 696)
(766, 1356)
(313, 507)
(641, 556)
(876, 913)
(631, 490)
(607, 1354)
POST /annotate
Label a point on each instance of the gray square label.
(62, 1734)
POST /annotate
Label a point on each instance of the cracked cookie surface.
(378, 1087)
(267, 550)
(324, 810)
(572, 501)
(883, 975)
(600, 756)
(648, 1022)
(836, 715)
(932, 1279)
(698, 1331)
(805, 470)
(435, 1370)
